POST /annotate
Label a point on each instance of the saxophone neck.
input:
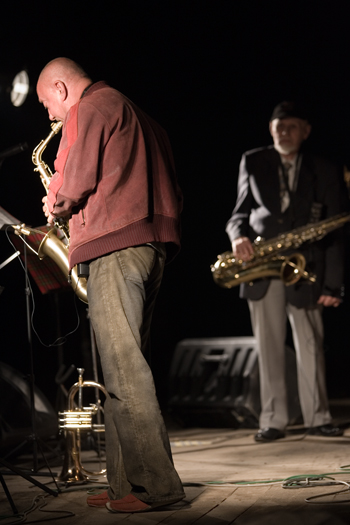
(41, 166)
(37, 152)
(36, 156)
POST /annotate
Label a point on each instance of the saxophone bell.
(57, 250)
(293, 269)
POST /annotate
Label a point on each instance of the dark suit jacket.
(258, 212)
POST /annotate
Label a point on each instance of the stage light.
(15, 89)
(20, 88)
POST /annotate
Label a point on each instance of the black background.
(210, 73)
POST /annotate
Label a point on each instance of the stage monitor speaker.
(214, 382)
(15, 410)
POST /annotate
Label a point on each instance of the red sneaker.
(132, 504)
(127, 504)
(98, 500)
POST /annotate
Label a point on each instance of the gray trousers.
(122, 289)
(269, 324)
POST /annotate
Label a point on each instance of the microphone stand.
(33, 437)
(31, 375)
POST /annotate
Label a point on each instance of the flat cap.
(289, 109)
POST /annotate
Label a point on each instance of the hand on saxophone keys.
(50, 218)
(242, 248)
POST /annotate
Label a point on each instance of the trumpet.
(75, 420)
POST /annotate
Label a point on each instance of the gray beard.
(284, 150)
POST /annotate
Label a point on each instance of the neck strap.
(85, 90)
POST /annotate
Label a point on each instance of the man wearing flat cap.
(280, 188)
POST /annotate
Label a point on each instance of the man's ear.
(62, 89)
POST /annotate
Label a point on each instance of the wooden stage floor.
(228, 478)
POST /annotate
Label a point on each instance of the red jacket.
(114, 178)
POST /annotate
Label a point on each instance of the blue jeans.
(122, 289)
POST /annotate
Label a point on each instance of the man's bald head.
(60, 86)
(64, 69)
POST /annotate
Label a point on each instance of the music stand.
(7, 221)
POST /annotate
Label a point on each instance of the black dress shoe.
(268, 434)
(326, 431)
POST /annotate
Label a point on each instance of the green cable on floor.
(289, 482)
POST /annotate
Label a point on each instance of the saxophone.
(266, 262)
(53, 245)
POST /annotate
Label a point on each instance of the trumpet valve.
(77, 419)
